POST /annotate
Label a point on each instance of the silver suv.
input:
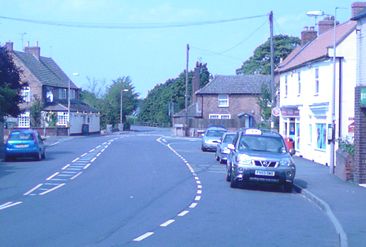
(260, 156)
(211, 138)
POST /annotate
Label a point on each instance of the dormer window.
(62, 93)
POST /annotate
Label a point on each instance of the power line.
(128, 25)
(215, 53)
(245, 39)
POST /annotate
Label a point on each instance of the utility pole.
(272, 66)
(186, 94)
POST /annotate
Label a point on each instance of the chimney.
(9, 46)
(326, 24)
(196, 81)
(357, 7)
(308, 35)
(34, 50)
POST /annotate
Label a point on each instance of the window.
(320, 136)
(24, 120)
(223, 100)
(316, 86)
(62, 118)
(310, 134)
(298, 83)
(62, 93)
(286, 87)
(219, 116)
(72, 93)
(25, 93)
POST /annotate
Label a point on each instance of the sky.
(103, 40)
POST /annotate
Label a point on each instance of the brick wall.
(360, 139)
(237, 104)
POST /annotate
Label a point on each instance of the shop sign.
(290, 112)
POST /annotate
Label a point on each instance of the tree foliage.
(259, 63)
(10, 86)
(109, 104)
(168, 98)
(36, 113)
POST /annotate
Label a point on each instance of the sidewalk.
(343, 202)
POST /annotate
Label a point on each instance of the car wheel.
(287, 187)
(233, 183)
(203, 149)
(222, 161)
(217, 158)
(228, 174)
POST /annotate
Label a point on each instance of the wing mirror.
(292, 151)
(231, 146)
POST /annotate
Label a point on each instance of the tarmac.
(343, 202)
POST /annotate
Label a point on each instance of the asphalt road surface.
(145, 188)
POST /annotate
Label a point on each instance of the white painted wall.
(308, 118)
(78, 119)
(361, 52)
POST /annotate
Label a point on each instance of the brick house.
(48, 83)
(230, 101)
(360, 100)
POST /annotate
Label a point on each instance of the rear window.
(262, 143)
(19, 136)
(215, 133)
(229, 138)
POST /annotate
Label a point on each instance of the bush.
(346, 145)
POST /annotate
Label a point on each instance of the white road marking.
(86, 167)
(75, 168)
(98, 146)
(8, 205)
(52, 176)
(167, 223)
(75, 160)
(69, 172)
(199, 192)
(92, 150)
(198, 182)
(93, 159)
(77, 175)
(65, 167)
(98, 154)
(181, 214)
(83, 154)
(143, 236)
(197, 198)
(5, 204)
(199, 186)
(33, 189)
(193, 205)
(50, 190)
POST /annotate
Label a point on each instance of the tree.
(10, 86)
(157, 105)
(264, 102)
(259, 63)
(36, 113)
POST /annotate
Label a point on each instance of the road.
(146, 189)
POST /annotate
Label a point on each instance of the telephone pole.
(272, 66)
(186, 94)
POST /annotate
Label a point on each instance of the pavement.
(343, 202)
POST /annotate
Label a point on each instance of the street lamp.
(121, 109)
(69, 103)
(315, 14)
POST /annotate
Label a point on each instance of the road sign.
(276, 111)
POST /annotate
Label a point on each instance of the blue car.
(24, 143)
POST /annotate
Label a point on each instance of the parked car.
(24, 143)
(260, 156)
(222, 150)
(211, 138)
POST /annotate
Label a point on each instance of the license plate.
(21, 146)
(264, 173)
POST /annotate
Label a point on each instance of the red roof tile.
(316, 49)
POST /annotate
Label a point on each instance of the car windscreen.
(262, 143)
(229, 138)
(215, 133)
(21, 136)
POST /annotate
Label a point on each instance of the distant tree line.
(167, 98)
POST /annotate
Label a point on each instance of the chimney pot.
(33, 50)
(326, 24)
(308, 35)
(9, 46)
(357, 7)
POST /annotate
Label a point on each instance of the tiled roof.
(235, 84)
(74, 107)
(192, 112)
(360, 15)
(318, 48)
(46, 70)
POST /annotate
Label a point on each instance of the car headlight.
(243, 159)
(286, 162)
(226, 151)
